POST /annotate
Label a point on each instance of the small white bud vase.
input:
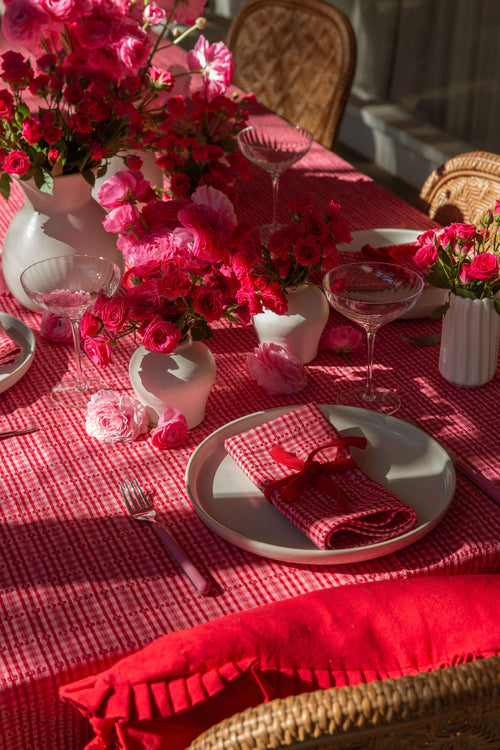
(469, 342)
(299, 330)
(181, 380)
(68, 222)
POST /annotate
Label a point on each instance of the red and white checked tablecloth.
(81, 585)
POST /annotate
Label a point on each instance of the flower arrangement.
(91, 88)
(179, 279)
(294, 254)
(463, 258)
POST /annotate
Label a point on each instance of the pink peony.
(215, 62)
(56, 328)
(22, 22)
(113, 417)
(276, 370)
(171, 431)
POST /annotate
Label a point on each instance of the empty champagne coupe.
(372, 294)
(274, 147)
(68, 285)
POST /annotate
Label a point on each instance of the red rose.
(32, 130)
(51, 133)
(17, 162)
(6, 104)
(208, 302)
(161, 336)
(114, 313)
(15, 68)
(89, 324)
(81, 123)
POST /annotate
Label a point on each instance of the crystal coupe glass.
(372, 294)
(274, 147)
(68, 285)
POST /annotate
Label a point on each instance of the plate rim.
(318, 556)
(8, 379)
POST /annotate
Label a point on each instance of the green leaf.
(439, 311)
(44, 181)
(89, 176)
(431, 340)
(496, 305)
(5, 181)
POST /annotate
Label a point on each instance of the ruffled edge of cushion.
(160, 699)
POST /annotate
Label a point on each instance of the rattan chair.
(456, 707)
(298, 57)
(462, 189)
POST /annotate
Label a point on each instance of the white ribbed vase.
(300, 329)
(68, 222)
(181, 380)
(469, 342)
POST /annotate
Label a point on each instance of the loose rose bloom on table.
(294, 254)
(113, 417)
(463, 258)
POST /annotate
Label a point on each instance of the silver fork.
(142, 509)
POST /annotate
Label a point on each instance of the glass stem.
(276, 182)
(75, 329)
(369, 394)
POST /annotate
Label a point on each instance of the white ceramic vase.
(181, 380)
(300, 329)
(67, 222)
(469, 342)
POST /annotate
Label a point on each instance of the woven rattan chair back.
(456, 707)
(298, 57)
(462, 189)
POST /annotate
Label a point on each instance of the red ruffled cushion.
(166, 694)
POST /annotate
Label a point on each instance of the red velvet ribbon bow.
(314, 471)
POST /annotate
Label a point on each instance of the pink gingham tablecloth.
(81, 585)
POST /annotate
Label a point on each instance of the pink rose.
(121, 219)
(276, 370)
(425, 257)
(98, 350)
(113, 417)
(89, 324)
(343, 339)
(484, 266)
(114, 313)
(171, 431)
(161, 336)
(56, 328)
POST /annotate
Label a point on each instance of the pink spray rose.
(171, 431)
(484, 266)
(113, 417)
(276, 370)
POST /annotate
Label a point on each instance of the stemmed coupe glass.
(68, 285)
(274, 147)
(372, 294)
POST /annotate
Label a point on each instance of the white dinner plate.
(399, 455)
(431, 297)
(24, 336)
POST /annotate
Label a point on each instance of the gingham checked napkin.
(9, 349)
(332, 501)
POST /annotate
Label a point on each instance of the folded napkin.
(9, 349)
(305, 469)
